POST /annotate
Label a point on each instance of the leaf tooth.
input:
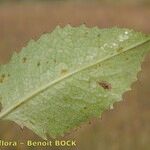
(58, 27)
(14, 56)
(68, 26)
(83, 26)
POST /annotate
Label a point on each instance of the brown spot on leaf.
(3, 75)
(105, 85)
(38, 64)
(64, 71)
(85, 107)
(98, 65)
(119, 49)
(55, 61)
(24, 60)
(2, 78)
(98, 35)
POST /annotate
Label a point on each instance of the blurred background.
(127, 127)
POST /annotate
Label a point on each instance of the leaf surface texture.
(69, 76)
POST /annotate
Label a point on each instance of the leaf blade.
(63, 101)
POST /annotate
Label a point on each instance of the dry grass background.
(127, 127)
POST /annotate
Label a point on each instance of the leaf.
(70, 76)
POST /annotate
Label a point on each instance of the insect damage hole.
(105, 85)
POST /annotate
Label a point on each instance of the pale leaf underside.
(70, 76)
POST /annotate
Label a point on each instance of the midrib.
(4, 113)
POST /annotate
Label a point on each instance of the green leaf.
(70, 76)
